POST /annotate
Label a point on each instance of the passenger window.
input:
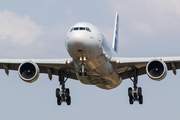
(88, 29)
(82, 28)
(76, 28)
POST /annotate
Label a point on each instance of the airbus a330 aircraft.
(94, 62)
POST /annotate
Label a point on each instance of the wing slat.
(53, 64)
(126, 66)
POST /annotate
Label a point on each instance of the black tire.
(130, 92)
(68, 100)
(139, 91)
(141, 99)
(57, 93)
(131, 100)
(80, 72)
(67, 92)
(59, 101)
(85, 72)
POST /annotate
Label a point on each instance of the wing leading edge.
(49, 66)
(125, 66)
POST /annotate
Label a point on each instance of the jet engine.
(28, 71)
(156, 69)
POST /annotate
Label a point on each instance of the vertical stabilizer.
(116, 32)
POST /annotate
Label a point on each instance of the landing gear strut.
(82, 70)
(136, 93)
(63, 95)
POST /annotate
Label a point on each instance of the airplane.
(93, 61)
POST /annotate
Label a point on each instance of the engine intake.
(156, 70)
(28, 71)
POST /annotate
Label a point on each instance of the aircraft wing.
(125, 66)
(45, 66)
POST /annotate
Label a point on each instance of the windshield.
(80, 28)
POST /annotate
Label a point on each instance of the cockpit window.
(71, 30)
(76, 28)
(88, 29)
(80, 28)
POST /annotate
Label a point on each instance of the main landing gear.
(82, 70)
(136, 93)
(63, 95)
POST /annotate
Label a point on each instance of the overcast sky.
(37, 29)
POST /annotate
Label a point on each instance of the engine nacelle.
(28, 71)
(156, 69)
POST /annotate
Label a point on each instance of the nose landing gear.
(82, 70)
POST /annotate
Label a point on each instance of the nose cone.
(82, 44)
(77, 41)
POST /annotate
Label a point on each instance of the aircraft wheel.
(68, 100)
(67, 92)
(131, 100)
(80, 72)
(129, 91)
(59, 101)
(85, 72)
(57, 93)
(140, 99)
(139, 91)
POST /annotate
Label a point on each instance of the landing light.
(117, 61)
(80, 58)
(84, 59)
(68, 62)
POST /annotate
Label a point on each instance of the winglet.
(116, 33)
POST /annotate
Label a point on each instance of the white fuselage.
(85, 42)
